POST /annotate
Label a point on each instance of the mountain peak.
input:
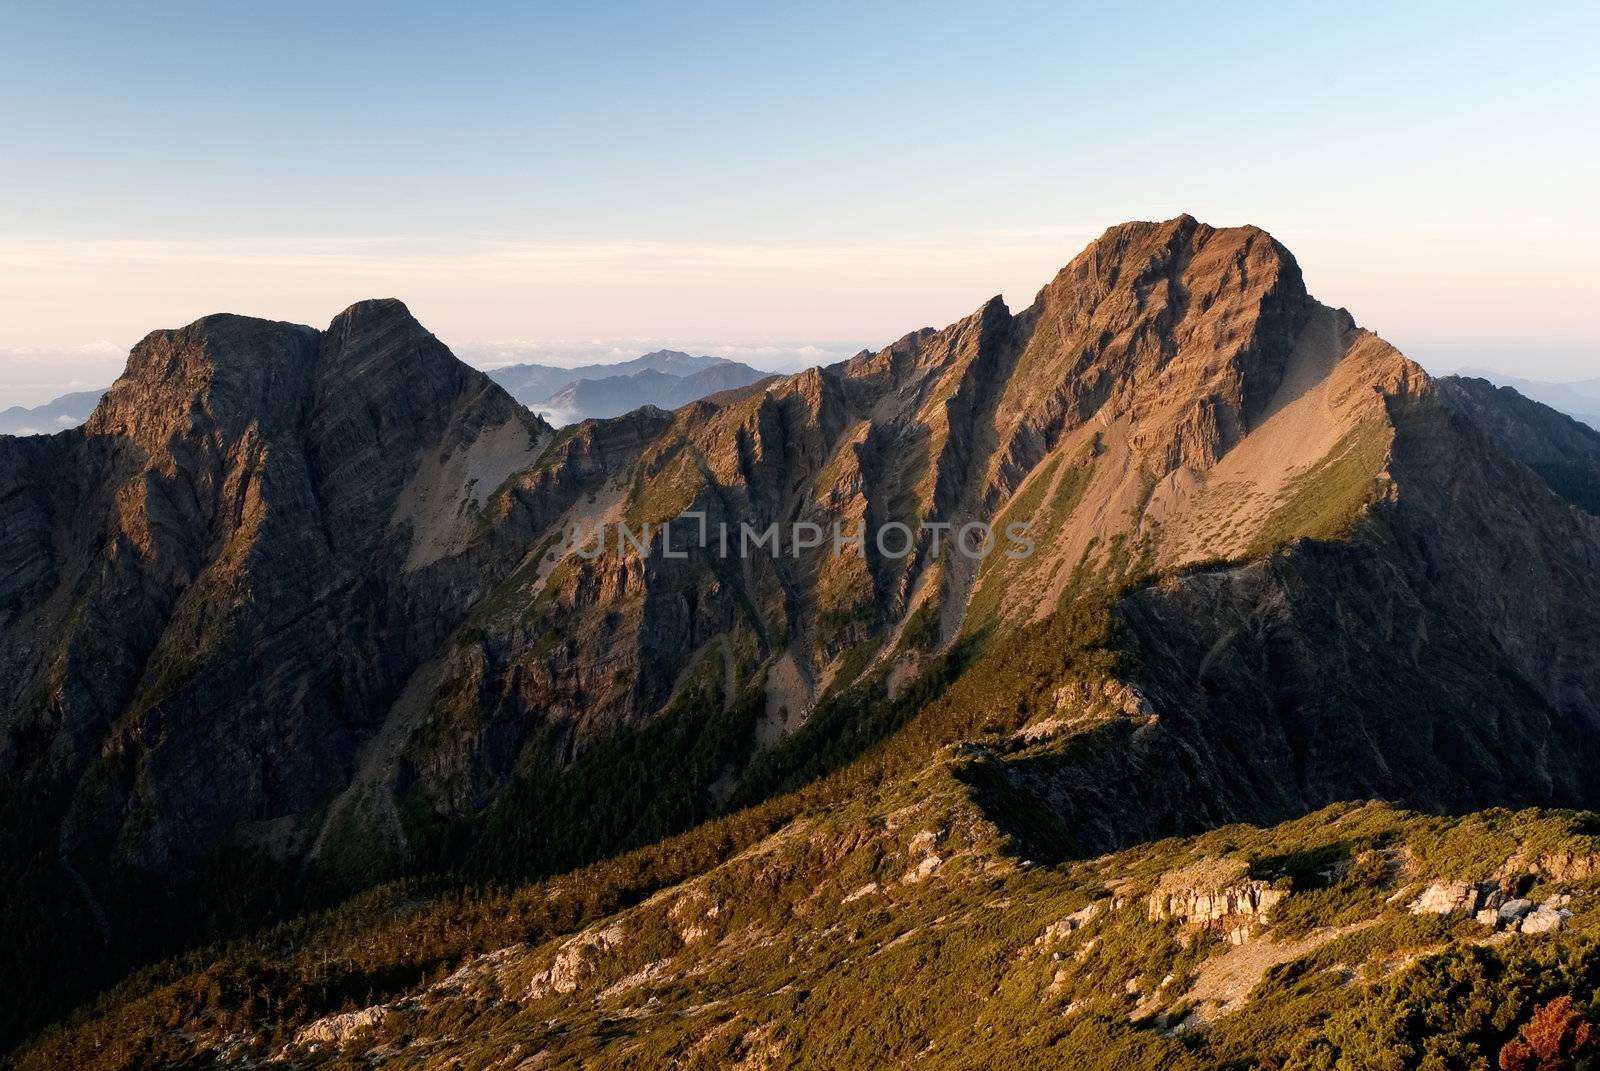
(379, 327)
(1139, 257)
(369, 309)
(235, 367)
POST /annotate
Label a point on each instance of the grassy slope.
(858, 952)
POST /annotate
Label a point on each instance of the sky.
(784, 184)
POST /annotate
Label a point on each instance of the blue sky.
(779, 182)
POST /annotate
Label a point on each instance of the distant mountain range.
(67, 411)
(664, 378)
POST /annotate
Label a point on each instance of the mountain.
(665, 379)
(610, 396)
(1562, 450)
(1579, 400)
(530, 383)
(213, 590)
(67, 411)
(297, 613)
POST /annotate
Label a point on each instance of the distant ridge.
(663, 378)
(1579, 399)
(67, 411)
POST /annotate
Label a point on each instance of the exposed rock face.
(575, 961)
(1215, 894)
(1488, 904)
(339, 1029)
(207, 612)
(1568, 866)
(1527, 430)
(310, 592)
(1544, 921)
(1562, 450)
(1438, 653)
(1443, 898)
(1513, 910)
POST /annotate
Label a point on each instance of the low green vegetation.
(1576, 481)
(921, 632)
(1326, 500)
(638, 785)
(851, 934)
(1046, 504)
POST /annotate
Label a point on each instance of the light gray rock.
(1512, 910)
(338, 1029)
(1445, 897)
(1213, 892)
(1544, 921)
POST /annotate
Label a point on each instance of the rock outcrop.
(1214, 894)
(1446, 897)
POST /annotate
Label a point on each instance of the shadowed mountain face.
(302, 598)
(212, 607)
(1564, 451)
(206, 600)
(1579, 400)
(665, 379)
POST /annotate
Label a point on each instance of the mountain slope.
(1350, 936)
(1562, 450)
(208, 602)
(321, 623)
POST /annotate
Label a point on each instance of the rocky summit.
(304, 681)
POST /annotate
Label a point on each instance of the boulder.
(1512, 910)
(1544, 921)
(339, 1029)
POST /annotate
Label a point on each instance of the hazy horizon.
(772, 180)
(34, 377)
